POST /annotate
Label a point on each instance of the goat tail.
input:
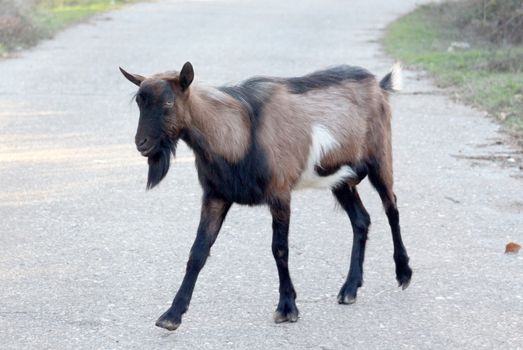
(392, 82)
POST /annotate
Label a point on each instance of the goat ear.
(133, 78)
(186, 75)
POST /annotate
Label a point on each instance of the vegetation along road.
(88, 259)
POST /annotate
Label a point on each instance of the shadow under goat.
(257, 141)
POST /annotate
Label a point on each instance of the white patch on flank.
(396, 77)
(322, 143)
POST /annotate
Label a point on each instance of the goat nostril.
(141, 143)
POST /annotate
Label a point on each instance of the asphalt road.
(89, 260)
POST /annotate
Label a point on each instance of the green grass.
(46, 17)
(54, 16)
(485, 76)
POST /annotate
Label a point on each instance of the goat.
(255, 142)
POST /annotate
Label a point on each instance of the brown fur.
(214, 114)
(355, 113)
(222, 120)
(218, 116)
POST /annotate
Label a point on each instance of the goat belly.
(314, 175)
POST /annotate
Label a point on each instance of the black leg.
(280, 210)
(401, 259)
(382, 181)
(213, 213)
(360, 220)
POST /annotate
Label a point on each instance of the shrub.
(498, 21)
(16, 27)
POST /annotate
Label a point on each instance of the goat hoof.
(169, 321)
(280, 317)
(404, 285)
(403, 277)
(286, 312)
(347, 295)
(346, 299)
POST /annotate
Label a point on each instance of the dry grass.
(16, 25)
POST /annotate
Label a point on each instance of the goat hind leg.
(381, 178)
(350, 201)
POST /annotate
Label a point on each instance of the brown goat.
(256, 142)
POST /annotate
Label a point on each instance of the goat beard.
(159, 163)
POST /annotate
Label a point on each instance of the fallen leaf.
(512, 248)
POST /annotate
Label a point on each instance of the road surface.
(89, 260)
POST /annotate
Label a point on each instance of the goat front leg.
(280, 210)
(213, 213)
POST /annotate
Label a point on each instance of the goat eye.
(168, 104)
